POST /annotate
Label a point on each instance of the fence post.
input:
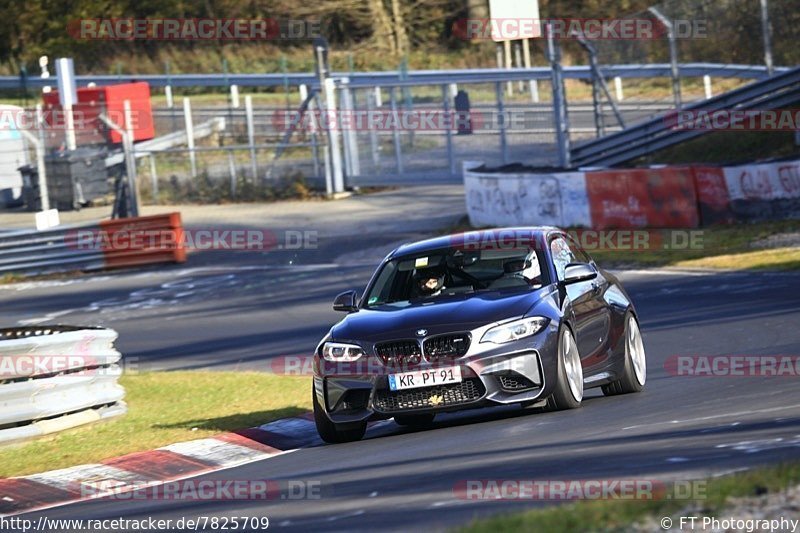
(618, 88)
(251, 135)
(187, 120)
(533, 85)
(448, 125)
(561, 119)
(41, 167)
(333, 133)
(153, 177)
(765, 31)
(707, 86)
(373, 135)
(133, 185)
(398, 155)
(350, 135)
(501, 121)
(235, 96)
(232, 172)
(507, 55)
(673, 54)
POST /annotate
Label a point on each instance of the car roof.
(488, 235)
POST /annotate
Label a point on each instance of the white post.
(507, 54)
(378, 97)
(133, 183)
(168, 94)
(235, 96)
(68, 96)
(154, 177)
(40, 166)
(251, 135)
(618, 88)
(707, 86)
(303, 92)
(526, 62)
(333, 132)
(187, 119)
(453, 90)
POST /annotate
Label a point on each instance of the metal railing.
(57, 377)
(410, 78)
(655, 134)
(52, 250)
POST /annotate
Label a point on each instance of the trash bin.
(463, 115)
(31, 195)
(76, 178)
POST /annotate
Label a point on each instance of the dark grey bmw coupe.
(514, 315)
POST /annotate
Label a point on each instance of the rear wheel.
(332, 432)
(415, 420)
(634, 373)
(569, 384)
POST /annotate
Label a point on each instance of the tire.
(634, 373)
(569, 383)
(415, 420)
(331, 432)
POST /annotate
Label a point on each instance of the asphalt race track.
(239, 313)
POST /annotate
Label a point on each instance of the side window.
(583, 257)
(562, 255)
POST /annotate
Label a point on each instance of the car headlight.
(517, 329)
(337, 351)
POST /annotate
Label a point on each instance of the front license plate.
(425, 378)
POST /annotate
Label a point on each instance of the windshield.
(452, 271)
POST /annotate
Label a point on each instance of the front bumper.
(517, 372)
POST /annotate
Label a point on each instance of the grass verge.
(723, 247)
(166, 407)
(619, 515)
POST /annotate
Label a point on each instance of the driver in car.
(430, 282)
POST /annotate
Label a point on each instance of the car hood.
(455, 313)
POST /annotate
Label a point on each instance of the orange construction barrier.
(142, 240)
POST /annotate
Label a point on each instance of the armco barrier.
(57, 377)
(51, 250)
(86, 247)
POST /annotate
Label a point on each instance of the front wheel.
(332, 432)
(634, 372)
(569, 384)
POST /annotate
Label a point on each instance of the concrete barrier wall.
(665, 197)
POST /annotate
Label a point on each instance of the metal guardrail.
(52, 250)
(655, 134)
(413, 77)
(57, 377)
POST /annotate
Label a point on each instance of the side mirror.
(346, 301)
(577, 272)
